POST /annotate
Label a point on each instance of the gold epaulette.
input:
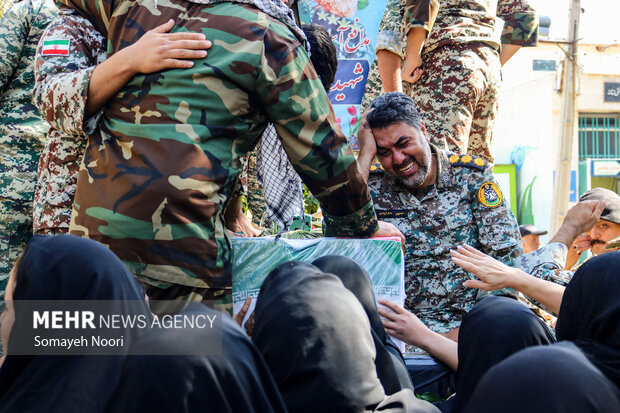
(468, 161)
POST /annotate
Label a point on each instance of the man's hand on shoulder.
(158, 50)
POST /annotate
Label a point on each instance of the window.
(599, 136)
(543, 65)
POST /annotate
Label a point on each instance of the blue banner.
(353, 26)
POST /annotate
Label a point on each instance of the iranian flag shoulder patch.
(56, 47)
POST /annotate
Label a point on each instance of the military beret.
(611, 212)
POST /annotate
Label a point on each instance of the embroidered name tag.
(391, 213)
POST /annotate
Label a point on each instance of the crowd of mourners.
(125, 131)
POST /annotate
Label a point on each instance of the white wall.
(524, 135)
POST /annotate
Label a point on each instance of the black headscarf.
(65, 267)
(315, 338)
(495, 329)
(389, 362)
(237, 380)
(545, 379)
(590, 313)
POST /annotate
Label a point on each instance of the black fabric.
(493, 330)
(389, 361)
(237, 380)
(315, 337)
(65, 267)
(611, 212)
(590, 313)
(545, 379)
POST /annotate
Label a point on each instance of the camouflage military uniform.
(547, 263)
(60, 92)
(158, 174)
(458, 92)
(22, 130)
(465, 205)
(256, 199)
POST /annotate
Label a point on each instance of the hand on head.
(584, 215)
(365, 138)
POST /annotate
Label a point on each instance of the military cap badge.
(490, 195)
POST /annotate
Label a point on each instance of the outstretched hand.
(492, 274)
(158, 50)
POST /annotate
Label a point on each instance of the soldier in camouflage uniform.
(62, 88)
(160, 171)
(457, 202)
(60, 93)
(457, 91)
(441, 200)
(22, 130)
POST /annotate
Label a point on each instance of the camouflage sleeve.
(498, 231)
(62, 78)
(520, 23)
(99, 12)
(391, 35)
(546, 263)
(297, 104)
(420, 13)
(14, 28)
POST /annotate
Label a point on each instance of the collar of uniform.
(445, 177)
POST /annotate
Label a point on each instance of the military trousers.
(457, 96)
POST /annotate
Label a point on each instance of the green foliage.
(311, 204)
(362, 4)
(526, 214)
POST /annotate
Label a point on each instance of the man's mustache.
(597, 241)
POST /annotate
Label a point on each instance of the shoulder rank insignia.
(468, 161)
(490, 195)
